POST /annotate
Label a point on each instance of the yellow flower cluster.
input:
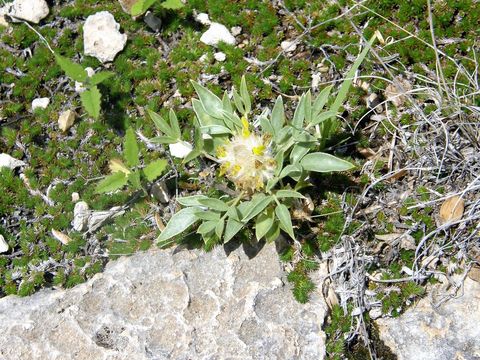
(246, 160)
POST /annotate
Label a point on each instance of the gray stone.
(448, 332)
(167, 304)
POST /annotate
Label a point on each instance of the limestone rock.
(216, 34)
(81, 214)
(203, 19)
(101, 36)
(288, 46)
(10, 162)
(220, 56)
(29, 10)
(3, 245)
(450, 331)
(66, 120)
(167, 304)
(40, 103)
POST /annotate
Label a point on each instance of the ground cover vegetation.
(383, 226)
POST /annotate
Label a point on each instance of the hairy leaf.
(283, 214)
(179, 222)
(322, 162)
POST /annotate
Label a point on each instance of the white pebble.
(3, 245)
(216, 34)
(10, 162)
(220, 56)
(288, 46)
(40, 103)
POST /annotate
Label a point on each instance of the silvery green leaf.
(179, 222)
(263, 224)
(211, 102)
(257, 205)
(289, 194)
(207, 215)
(321, 100)
(238, 101)
(266, 125)
(227, 104)
(308, 107)
(231, 229)
(174, 124)
(219, 228)
(283, 214)
(214, 204)
(279, 162)
(191, 200)
(215, 130)
(163, 140)
(299, 115)
(298, 152)
(206, 227)
(278, 115)
(290, 170)
(322, 162)
(273, 233)
(321, 117)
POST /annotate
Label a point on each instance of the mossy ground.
(149, 71)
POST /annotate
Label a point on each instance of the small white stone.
(220, 56)
(101, 36)
(315, 80)
(81, 215)
(66, 120)
(288, 46)
(216, 34)
(10, 162)
(203, 19)
(63, 238)
(3, 245)
(236, 30)
(180, 149)
(203, 58)
(75, 197)
(40, 103)
(3, 20)
(29, 10)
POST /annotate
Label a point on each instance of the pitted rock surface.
(449, 332)
(164, 304)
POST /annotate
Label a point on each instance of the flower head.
(246, 159)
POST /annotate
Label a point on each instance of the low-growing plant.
(129, 172)
(266, 164)
(91, 97)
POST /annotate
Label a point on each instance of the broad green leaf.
(211, 102)
(256, 206)
(91, 101)
(285, 220)
(155, 169)
(179, 222)
(278, 115)
(112, 182)
(322, 162)
(290, 170)
(263, 224)
(245, 95)
(289, 194)
(271, 183)
(130, 148)
(73, 70)
(219, 228)
(203, 117)
(232, 228)
(191, 200)
(141, 6)
(100, 77)
(206, 227)
(321, 100)
(174, 124)
(172, 4)
(273, 233)
(134, 179)
(163, 140)
(207, 215)
(237, 99)
(298, 152)
(283, 134)
(214, 204)
(304, 137)
(161, 124)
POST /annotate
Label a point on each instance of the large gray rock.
(449, 332)
(166, 305)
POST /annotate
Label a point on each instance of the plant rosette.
(255, 161)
